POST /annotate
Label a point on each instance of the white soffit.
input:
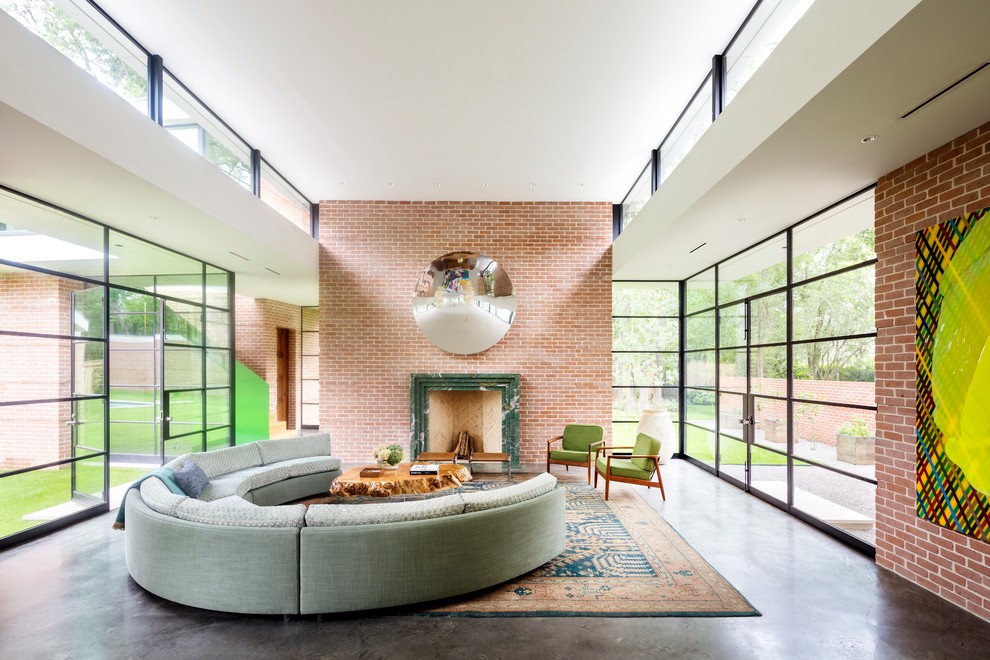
(66, 139)
(790, 143)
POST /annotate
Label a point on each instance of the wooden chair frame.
(586, 463)
(649, 483)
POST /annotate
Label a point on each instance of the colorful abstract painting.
(953, 361)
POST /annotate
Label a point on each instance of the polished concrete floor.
(69, 596)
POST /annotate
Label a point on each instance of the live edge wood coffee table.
(399, 481)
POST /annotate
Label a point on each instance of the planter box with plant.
(855, 443)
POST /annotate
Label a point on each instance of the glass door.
(135, 377)
(766, 389)
(84, 412)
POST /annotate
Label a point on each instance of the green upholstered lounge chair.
(636, 468)
(577, 446)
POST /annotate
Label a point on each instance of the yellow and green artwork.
(953, 362)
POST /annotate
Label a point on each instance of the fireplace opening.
(475, 412)
(441, 406)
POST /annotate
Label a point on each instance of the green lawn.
(26, 493)
(132, 427)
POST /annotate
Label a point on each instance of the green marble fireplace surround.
(419, 401)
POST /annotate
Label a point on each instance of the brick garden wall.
(256, 342)
(947, 183)
(827, 419)
(34, 368)
(559, 258)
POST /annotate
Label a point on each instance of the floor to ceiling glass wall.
(645, 353)
(779, 370)
(309, 381)
(115, 354)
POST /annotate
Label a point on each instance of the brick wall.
(559, 258)
(34, 368)
(949, 182)
(256, 340)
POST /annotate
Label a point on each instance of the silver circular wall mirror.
(464, 302)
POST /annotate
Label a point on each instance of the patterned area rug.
(621, 559)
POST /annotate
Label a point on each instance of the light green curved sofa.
(334, 558)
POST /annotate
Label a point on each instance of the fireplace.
(484, 405)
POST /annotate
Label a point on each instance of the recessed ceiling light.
(391, 183)
(439, 184)
(869, 138)
(119, 244)
(484, 185)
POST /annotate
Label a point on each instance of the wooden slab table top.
(399, 481)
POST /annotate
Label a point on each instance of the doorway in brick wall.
(282, 376)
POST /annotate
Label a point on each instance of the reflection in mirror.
(464, 303)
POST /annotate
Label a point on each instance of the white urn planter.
(656, 423)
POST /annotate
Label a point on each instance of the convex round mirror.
(464, 302)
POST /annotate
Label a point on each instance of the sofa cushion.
(274, 451)
(237, 512)
(527, 490)
(220, 488)
(191, 479)
(159, 498)
(300, 467)
(225, 461)
(340, 515)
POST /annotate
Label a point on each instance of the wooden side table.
(491, 457)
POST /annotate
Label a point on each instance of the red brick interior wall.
(256, 341)
(947, 183)
(558, 256)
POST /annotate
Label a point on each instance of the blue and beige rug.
(622, 559)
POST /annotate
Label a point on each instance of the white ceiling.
(492, 100)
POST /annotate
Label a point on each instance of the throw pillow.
(167, 475)
(192, 479)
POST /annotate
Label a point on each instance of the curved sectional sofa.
(238, 549)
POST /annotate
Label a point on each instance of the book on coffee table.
(424, 468)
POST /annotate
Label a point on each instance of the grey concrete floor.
(68, 596)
